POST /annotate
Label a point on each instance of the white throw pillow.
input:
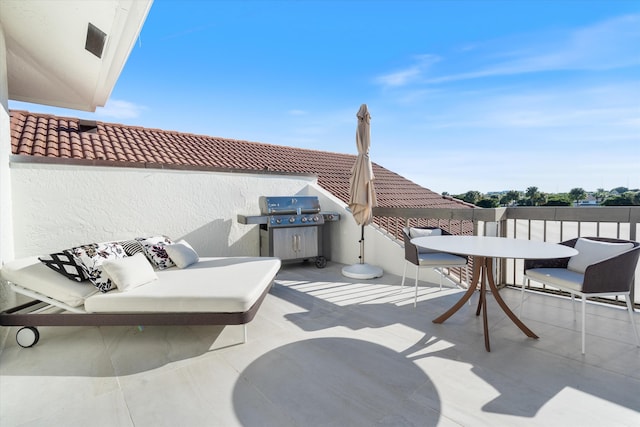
(182, 254)
(130, 272)
(424, 232)
(592, 252)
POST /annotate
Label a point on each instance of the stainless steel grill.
(292, 228)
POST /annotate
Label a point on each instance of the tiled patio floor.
(327, 350)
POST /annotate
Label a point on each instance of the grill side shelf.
(252, 219)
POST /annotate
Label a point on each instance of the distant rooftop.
(45, 135)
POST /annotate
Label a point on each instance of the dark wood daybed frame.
(21, 316)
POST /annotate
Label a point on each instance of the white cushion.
(182, 254)
(441, 259)
(130, 272)
(34, 275)
(212, 285)
(557, 277)
(592, 252)
(424, 232)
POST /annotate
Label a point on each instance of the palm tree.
(511, 196)
(540, 199)
(577, 194)
(533, 195)
(601, 195)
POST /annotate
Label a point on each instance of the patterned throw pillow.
(92, 256)
(64, 263)
(131, 247)
(154, 250)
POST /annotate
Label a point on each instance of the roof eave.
(46, 58)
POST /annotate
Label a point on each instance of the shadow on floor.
(515, 363)
(338, 382)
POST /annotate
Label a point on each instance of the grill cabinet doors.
(295, 242)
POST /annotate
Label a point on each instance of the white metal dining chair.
(603, 267)
(421, 257)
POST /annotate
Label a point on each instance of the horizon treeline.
(619, 196)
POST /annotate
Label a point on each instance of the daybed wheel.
(321, 262)
(27, 336)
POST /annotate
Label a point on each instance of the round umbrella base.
(362, 271)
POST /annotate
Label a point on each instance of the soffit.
(47, 62)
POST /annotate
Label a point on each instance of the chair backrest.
(611, 272)
(564, 262)
(572, 242)
(592, 251)
(411, 251)
(603, 273)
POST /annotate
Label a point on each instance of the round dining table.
(484, 249)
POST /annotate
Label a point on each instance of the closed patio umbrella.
(362, 194)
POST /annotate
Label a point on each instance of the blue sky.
(463, 95)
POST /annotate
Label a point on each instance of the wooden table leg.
(502, 304)
(483, 298)
(477, 266)
(483, 273)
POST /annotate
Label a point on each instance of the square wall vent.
(95, 40)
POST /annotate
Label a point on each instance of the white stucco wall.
(380, 249)
(59, 206)
(6, 237)
(7, 298)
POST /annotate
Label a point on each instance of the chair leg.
(633, 323)
(524, 283)
(573, 305)
(441, 274)
(466, 273)
(584, 321)
(404, 273)
(415, 298)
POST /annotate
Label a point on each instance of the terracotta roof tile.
(47, 135)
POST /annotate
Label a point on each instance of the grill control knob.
(315, 218)
(278, 220)
(304, 219)
(292, 219)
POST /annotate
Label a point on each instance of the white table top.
(495, 247)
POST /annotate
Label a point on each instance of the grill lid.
(285, 205)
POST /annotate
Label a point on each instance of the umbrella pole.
(362, 246)
(362, 270)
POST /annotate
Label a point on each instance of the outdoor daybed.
(194, 291)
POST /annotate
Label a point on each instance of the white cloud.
(410, 74)
(120, 109)
(612, 106)
(610, 44)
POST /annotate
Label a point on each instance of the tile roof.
(34, 134)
